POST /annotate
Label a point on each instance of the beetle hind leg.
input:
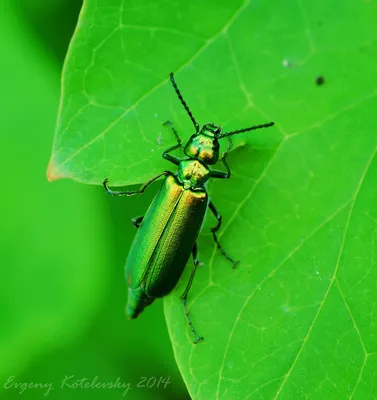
(185, 293)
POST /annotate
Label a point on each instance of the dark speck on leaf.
(320, 80)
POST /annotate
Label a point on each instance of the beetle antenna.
(252, 128)
(183, 102)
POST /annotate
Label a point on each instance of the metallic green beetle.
(168, 232)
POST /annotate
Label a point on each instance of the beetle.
(168, 232)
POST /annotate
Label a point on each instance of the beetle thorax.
(192, 174)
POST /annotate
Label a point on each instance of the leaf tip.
(52, 173)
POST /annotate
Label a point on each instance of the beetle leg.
(221, 174)
(137, 221)
(132, 192)
(171, 127)
(215, 229)
(185, 293)
(173, 159)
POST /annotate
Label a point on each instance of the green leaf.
(296, 318)
(116, 92)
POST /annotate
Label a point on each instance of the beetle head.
(204, 145)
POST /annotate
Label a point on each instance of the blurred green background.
(63, 245)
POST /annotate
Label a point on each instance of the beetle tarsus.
(171, 127)
(222, 251)
(197, 337)
(215, 229)
(133, 192)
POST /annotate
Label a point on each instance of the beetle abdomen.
(176, 243)
(163, 243)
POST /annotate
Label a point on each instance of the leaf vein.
(154, 88)
(333, 278)
(295, 250)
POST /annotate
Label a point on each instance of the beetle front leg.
(185, 293)
(215, 229)
(173, 159)
(132, 192)
(220, 174)
(137, 221)
(171, 127)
